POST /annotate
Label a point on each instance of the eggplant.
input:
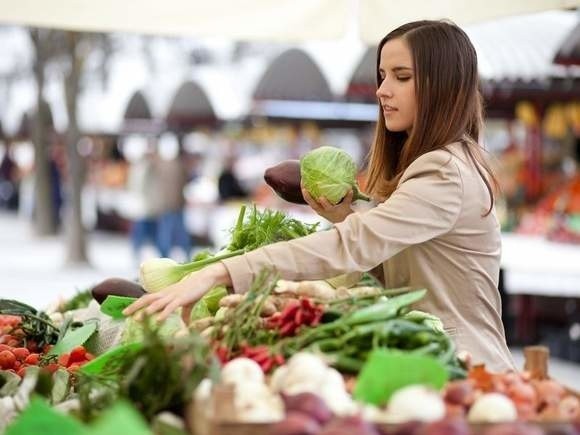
(117, 287)
(284, 179)
(349, 426)
(295, 423)
(517, 428)
(309, 404)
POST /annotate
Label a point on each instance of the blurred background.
(137, 130)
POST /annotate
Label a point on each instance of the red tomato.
(64, 359)
(4, 347)
(7, 360)
(20, 353)
(78, 354)
(13, 342)
(32, 359)
(21, 372)
(52, 367)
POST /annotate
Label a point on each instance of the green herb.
(262, 228)
(245, 323)
(81, 300)
(158, 375)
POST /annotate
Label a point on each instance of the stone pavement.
(33, 270)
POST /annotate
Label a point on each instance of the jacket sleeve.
(425, 205)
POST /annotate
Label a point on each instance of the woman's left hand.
(184, 293)
(333, 213)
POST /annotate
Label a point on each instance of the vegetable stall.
(338, 356)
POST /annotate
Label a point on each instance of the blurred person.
(144, 196)
(8, 180)
(57, 167)
(172, 173)
(228, 183)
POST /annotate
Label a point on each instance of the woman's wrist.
(218, 275)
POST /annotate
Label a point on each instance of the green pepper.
(384, 310)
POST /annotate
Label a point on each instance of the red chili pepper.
(267, 365)
(307, 317)
(257, 350)
(261, 358)
(299, 317)
(222, 353)
(288, 329)
(289, 311)
(317, 318)
(307, 303)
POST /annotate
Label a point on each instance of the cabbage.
(329, 172)
(133, 331)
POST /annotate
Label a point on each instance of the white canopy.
(272, 20)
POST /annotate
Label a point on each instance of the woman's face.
(396, 93)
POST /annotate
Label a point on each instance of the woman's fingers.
(159, 304)
(347, 200)
(313, 203)
(170, 307)
(141, 303)
(325, 204)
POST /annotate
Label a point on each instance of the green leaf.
(96, 366)
(61, 386)
(121, 418)
(40, 418)
(74, 338)
(8, 306)
(8, 383)
(386, 372)
(114, 305)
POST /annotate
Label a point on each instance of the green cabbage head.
(329, 172)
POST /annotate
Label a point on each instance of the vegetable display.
(323, 357)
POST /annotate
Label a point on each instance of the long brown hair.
(449, 106)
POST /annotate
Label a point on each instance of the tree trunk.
(76, 240)
(45, 218)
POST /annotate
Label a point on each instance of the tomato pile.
(16, 357)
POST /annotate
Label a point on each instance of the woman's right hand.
(183, 294)
(333, 213)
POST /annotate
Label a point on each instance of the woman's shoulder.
(441, 162)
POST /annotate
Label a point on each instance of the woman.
(435, 226)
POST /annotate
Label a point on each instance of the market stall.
(311, 357)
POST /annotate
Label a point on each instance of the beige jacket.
(430, 233)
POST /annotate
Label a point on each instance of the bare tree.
(45, 216)
(76, 238)
(78, 48)
(65, 53)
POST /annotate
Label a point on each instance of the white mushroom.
(415, 402)
(492, 408)
(242, 371)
